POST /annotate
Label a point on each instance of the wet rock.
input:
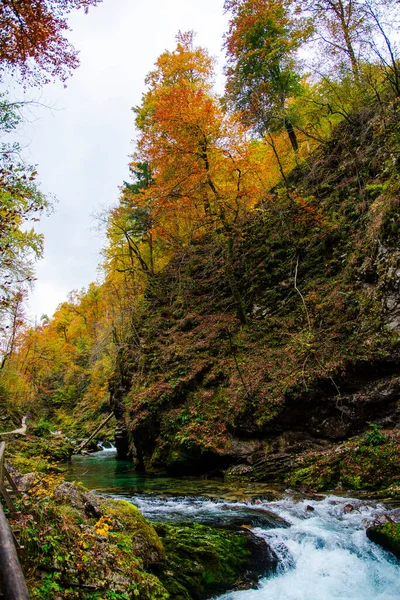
(233, 517)
(238, 472)
(386, 535)
(310, 508)
(203, 561)
(264, 561)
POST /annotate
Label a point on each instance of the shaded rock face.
(312, 421)
(389, 264)
(119, 385)
(369, 393)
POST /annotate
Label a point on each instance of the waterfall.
(106, 447)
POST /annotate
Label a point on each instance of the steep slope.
(316, 271)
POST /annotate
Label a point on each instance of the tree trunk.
(292, 135)
(230, 273)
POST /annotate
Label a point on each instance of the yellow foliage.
(103, 526)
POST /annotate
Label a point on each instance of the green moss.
(359, 464)
(386, 535)
(127, 518)
(201, 560)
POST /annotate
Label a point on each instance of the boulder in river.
(203, 561)
(233, 517)
(386, 535)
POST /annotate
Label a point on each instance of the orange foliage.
(32, 39)
(205, 172)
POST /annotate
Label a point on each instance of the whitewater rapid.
(325, 555)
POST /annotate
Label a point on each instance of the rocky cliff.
(310, 358)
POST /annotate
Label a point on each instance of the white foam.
(326, 555)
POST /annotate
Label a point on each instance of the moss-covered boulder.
(386, 535)
(80, 545)
(126, 519)
(203, 561)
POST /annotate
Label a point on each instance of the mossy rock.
(203, 561)
(126, 517)
(386, 535)
(99, 546)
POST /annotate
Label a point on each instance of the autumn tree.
(13, 319)
(65, 360)
(21, 205)
(203, 165)
(384, 19)
(350, 32)
(262, 72)
(130, 226)
(32, 41)
(200, 157)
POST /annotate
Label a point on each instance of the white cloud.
(82, 146)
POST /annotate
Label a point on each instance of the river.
(323, 555)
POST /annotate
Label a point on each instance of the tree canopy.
(262, 74)
(32, 41)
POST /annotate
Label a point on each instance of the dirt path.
(20, 431)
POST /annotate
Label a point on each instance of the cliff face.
(280, 341)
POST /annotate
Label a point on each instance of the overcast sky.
(82, 145)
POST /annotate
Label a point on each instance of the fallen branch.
(96, 431)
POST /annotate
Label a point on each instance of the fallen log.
(96, 431)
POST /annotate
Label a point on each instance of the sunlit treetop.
(32, 42)
(186, 64)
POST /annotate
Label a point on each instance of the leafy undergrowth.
(371, 462)
(38, 453)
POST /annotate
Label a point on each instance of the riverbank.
(313, 547)
(191, 539)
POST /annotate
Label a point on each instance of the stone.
(386, 535)
(238, 472)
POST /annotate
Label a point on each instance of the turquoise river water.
(323, 555)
